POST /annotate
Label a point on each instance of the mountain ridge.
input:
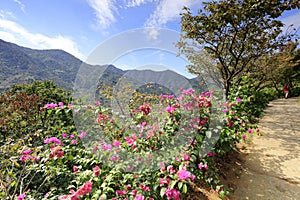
(23, 65)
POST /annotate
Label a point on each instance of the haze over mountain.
(22, 65)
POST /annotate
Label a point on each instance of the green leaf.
(180, 185)
(162, 191)
(172, 184)
(13, 184)
(184, 189)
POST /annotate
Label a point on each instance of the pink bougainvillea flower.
(188, 106)
(170, 169)
(63, 197)
(56, 153)
(208, 93)
(145, 108)
(165, 96)
(192, 177)
(168, 193)
(203, 102)
(230, 124)
(163, 181)
(72, 191)
(95, 148)
(238, 100)
(162, 164)
(96, 171)
(187, 92)
(170, 109)
(183, 174)
(114, 158)
(172, 193)
(225, 110)
(70, 105)
(102, 117)
(74, 141)
(128, 187)
(46, 195)
(51, 105)
(61, 105)
(26, 152)
(133, 137)
(144, 187)
(72, 136)
(203, 166)
(250, 131)
(75, 168)
(21, 196)
(134, 192)
(64, 135)
(176, 194)
(97, 103)
(106, 147)
(257, 130)
(52, 139)
(82, 135)
(139, 197)
(89, 107)
(117, 143)
(210, 154)
(87, 187)
(27, 157)
(244, 137)
(186, 157)
(129, 141)
(121, 192)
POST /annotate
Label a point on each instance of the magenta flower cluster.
(52, 140)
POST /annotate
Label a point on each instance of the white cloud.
(136, 3)
(168, 10)
(153, 33)
(292, 19)
(6, 14)
(8, 37)
(104, 10)
(13, 32)
(21, 5)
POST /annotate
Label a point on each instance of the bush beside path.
(270, 169)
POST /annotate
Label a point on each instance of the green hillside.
(22, 65)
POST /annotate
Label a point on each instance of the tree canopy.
(234, 34)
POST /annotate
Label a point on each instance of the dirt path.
(271, 168)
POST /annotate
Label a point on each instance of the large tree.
(234, 33)
(278, 69)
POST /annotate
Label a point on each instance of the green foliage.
(234, 33)
(24, 125)
(54, 158)
(254, 101)
(47, 90)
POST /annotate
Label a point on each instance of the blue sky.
(79, 26)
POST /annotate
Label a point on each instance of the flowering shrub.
(148, 154)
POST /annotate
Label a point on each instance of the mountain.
(22, 65)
